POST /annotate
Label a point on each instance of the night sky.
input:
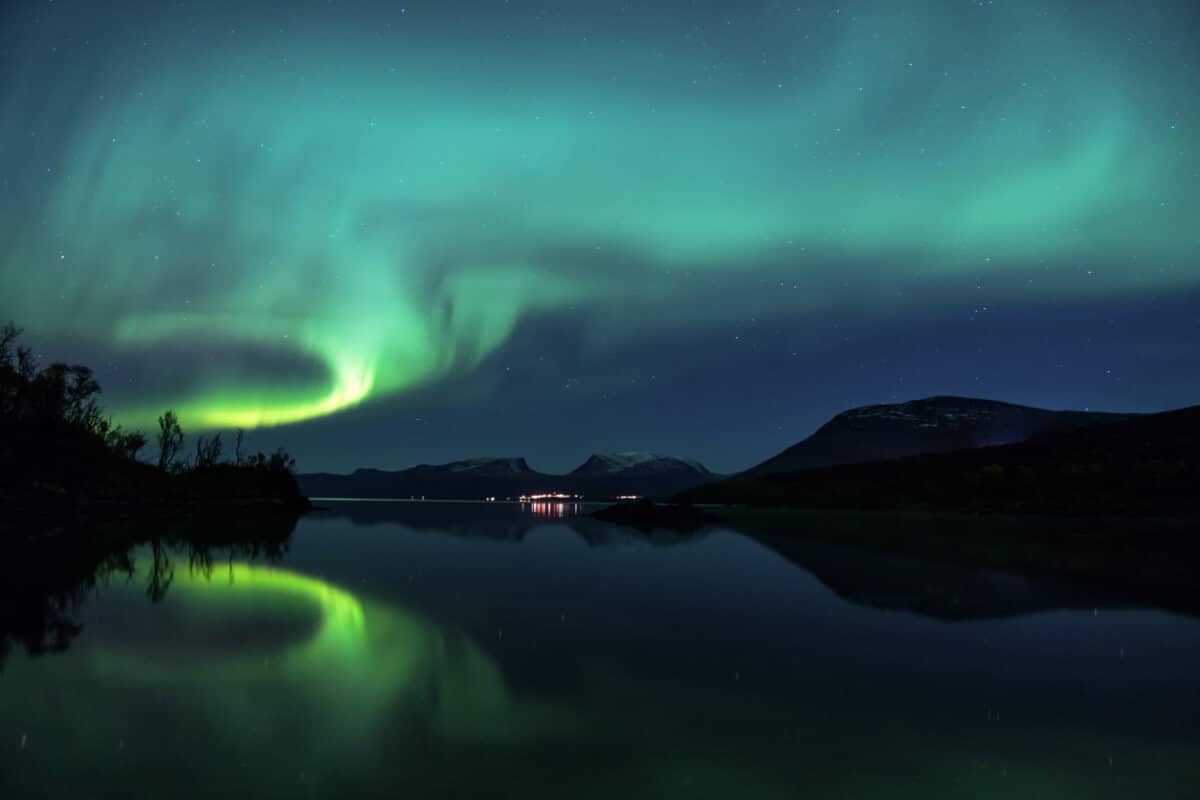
(383, 233)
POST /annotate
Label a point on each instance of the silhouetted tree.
(52, 402)
(208, 451)
(17, 370)
(170, 439)
(59, 401)
(162, 572)
(63, 394)
(281, 461)
(238, 437)
(125, 443)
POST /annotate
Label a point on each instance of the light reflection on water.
(499, 649)
(553, 508)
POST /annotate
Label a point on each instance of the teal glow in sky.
(264, 215)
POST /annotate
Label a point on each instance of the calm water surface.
(457, 650)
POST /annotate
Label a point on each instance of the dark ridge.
(931, 425)
(1132, 465)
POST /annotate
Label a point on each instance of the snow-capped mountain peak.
(635, 461)
(489, 465)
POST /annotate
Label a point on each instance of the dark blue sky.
(383, 234)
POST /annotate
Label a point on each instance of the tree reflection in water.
(47, 577)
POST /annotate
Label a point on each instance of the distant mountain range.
(602, 476)
(931, 425)
(917, 454)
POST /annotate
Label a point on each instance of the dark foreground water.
(456, 650)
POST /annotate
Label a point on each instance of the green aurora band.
(385, 216)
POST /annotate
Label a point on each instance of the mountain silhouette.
(931, 425)
(600, 477)
(1130, 464)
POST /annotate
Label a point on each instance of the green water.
(438, 650)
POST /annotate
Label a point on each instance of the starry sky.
(384, 233)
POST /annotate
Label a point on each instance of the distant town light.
(527, 498)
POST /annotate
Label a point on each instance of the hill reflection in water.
(936, 588)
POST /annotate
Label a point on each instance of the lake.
(458, 650)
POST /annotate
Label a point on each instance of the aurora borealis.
(393, 232)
